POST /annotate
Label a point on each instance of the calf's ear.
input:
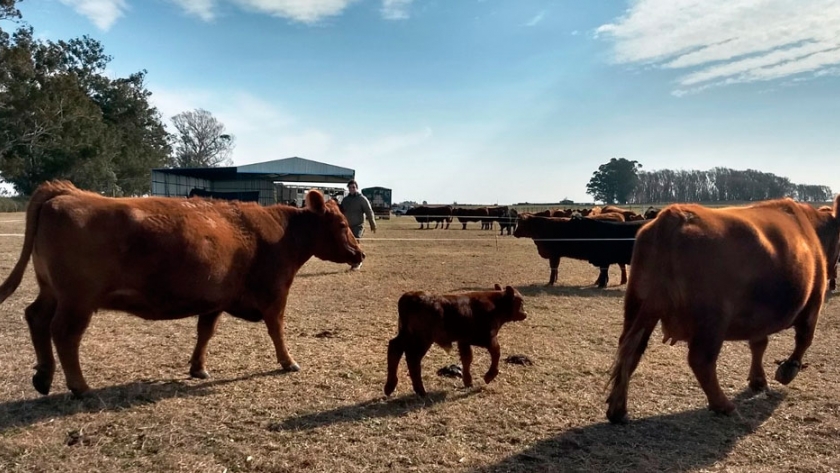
(315, 201)
(509, 291)
(497, 287)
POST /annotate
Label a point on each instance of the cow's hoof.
(390, 386)
(489, 377)
(468, 382)
(199, 374)
(787, 371)
(726, 408)
(42, 382)
(294, 367)
(758, 384)
(617, 416)
(80, 392)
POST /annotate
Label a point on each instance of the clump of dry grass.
(146, 415)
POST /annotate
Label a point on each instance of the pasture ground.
(146, 414)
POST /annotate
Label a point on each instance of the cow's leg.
(804, 327)
(67, 327)
(275, 321)
(623, 274)
(414, 354)
(757, 378)
(603, 276)
(465, 350)
(638, 326)
(206, 328)
(39, 315)
(703, 351)
(396, 348)
(553, 264)
(495, 354)
(464, 226)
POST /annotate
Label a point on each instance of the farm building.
(257, 180)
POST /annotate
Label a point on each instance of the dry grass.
(146, 415)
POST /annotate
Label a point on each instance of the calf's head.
(332, 238)
(512, 305)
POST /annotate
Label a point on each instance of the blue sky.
(484, 101)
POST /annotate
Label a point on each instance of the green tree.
(61, 117)
(615, 181)
(201, 141)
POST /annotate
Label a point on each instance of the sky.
(489, 101)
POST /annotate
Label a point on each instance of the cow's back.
(143, 254)
(738, 264)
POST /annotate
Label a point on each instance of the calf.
(471, 319)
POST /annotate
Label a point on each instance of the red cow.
(161, 258)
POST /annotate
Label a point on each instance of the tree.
(61, 117)
(615, 181)
(201, 141)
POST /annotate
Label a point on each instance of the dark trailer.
(380, 201)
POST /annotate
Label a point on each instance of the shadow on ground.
(687, 441)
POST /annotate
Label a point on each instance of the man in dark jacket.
(355, 207)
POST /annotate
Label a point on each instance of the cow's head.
(513, 305)
(523, 226)
(332, 239)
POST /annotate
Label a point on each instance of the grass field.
(145, 414)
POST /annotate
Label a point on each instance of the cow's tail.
(42, 194)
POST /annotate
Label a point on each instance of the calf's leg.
(623, 274)
(396, 348)
(206, 328)
(465, 350)
(495, 354)
(39, 314)
(603, 277)
(757, 378)
(414, 353)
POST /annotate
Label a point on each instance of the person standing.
(356, 207)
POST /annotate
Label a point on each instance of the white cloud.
(304, 11)
(395, 9)
(200, 8)
(536, 19)
(103, 13)
(722, 42)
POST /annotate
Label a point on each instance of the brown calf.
(471, 319)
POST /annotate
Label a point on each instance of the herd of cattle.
(708, 275)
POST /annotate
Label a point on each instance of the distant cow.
(738, 273)
(832, 268)
(600, 242)
(507, 221)
(161, 259)
(651, 213)
(470, 319)
(466, 215)
(440, 214)
(629, 215)
(243, 196)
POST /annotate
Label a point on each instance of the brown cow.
(629, 215)
(832, 268)
(471, 319)
(160, 259)
(738, 273)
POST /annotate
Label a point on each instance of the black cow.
(599, 242)
(440, 214)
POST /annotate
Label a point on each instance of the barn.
(251, 180)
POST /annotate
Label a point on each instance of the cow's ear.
(510, 291)
(315, 201)
(497, 287)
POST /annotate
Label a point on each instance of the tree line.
(621, 181)
(61, 116)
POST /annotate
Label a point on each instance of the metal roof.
(288, 170)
